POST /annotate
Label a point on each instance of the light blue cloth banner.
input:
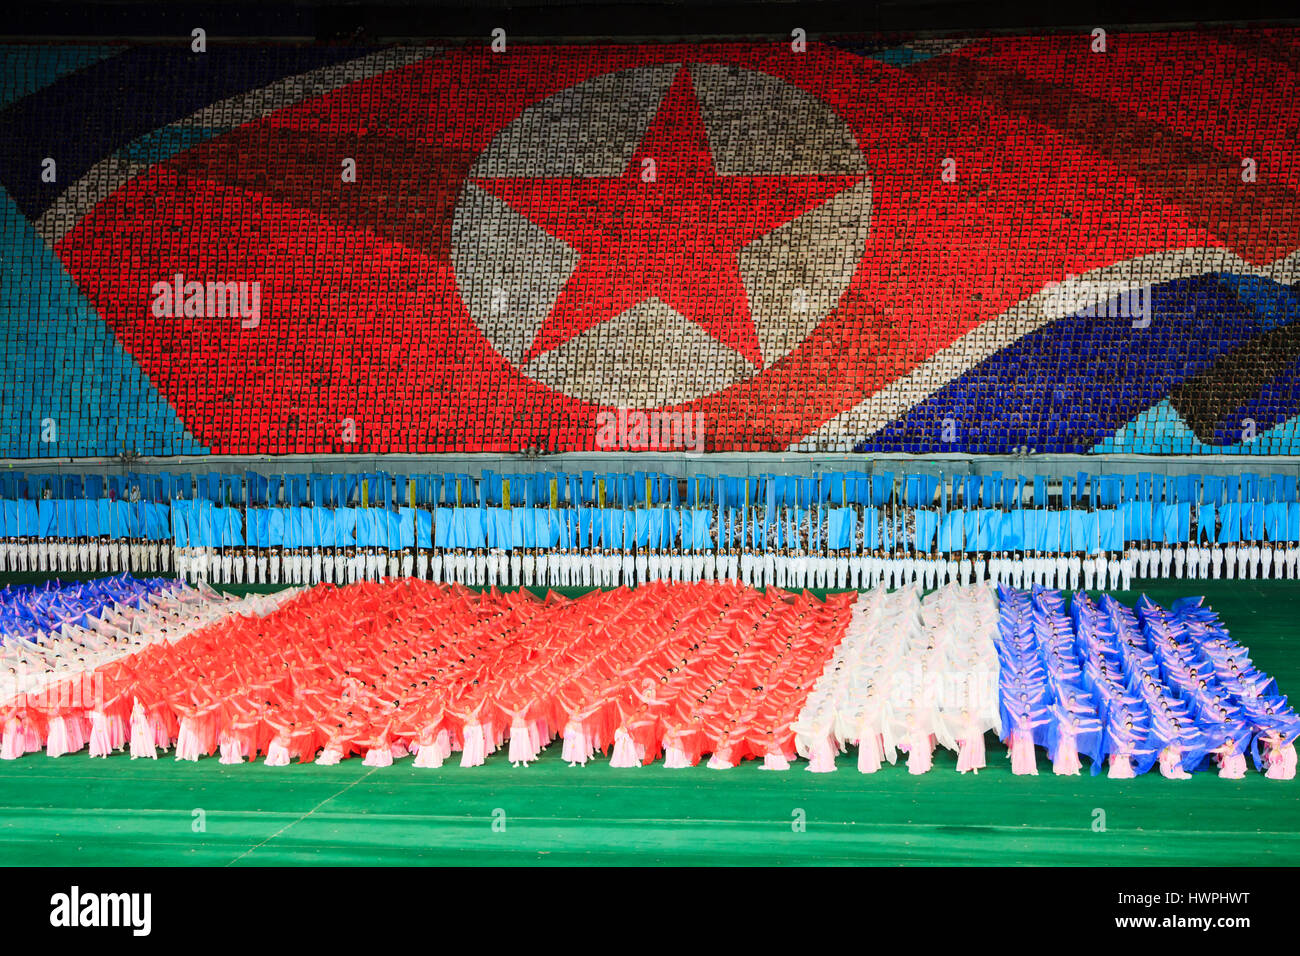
(444, 535)
(345, 527)
(841, 528)
(925, 531)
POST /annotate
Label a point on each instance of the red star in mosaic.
(675, 237)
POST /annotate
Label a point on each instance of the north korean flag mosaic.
(971, 246)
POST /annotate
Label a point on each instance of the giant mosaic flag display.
(970, 245)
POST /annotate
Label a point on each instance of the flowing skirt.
(188, 745)
(625, 750)
(920, 756)
(78, 733)
(871, 749)
(1171, 767)
(1281, 763)
(443, 742)
(775, 761)
(142, 738)
(1232, 767)
(720, 761)
(1066, 762)
(11, 745)
(32, 740)
(57, 744)
(575, 750)
(231, 752)
(162, 738)
(117, 732)
(521, 744)
(538, 735)
(101, 741)
(428, 756)
(474, 753)
(1023, 759)
(822, 757)
(277, 754)
(970, 754)
(675, 757)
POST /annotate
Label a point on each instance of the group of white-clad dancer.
(911, 674)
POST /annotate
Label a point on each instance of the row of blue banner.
(842, 528)
(81, 517)
(644, 489)
(976, 529)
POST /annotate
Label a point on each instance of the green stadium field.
(117, 812)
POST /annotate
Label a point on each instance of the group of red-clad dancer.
(383, 670)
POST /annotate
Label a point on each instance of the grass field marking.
(617, 821)
(441, 818)
(753, 822)
(302, 817)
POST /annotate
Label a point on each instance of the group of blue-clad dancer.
(1134, 689)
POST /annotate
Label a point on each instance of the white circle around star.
(626, 283)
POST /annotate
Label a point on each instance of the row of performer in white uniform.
(86, 555)
(794, 569)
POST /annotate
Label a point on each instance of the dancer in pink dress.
(579, 745)
(1232, 764)
(680, 750)
(380, 752)
(821, 757)
(1171, 763)
(117, 733)
(764, 741)
(1021, 749)
(337, 737)
(231, 752)
(627, 753)
(428, 753)
(1023, 759)
(1020, 739)
(971, 756)
(521, 752)
(871, 750)
(188, 746)
(142, 735)
(473, 741)
(277, 754)
(1123, 752)
(101, 741)
(56, 743)
(1280, 758)
(11, 745)
(920, 750)
(1066, 762)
